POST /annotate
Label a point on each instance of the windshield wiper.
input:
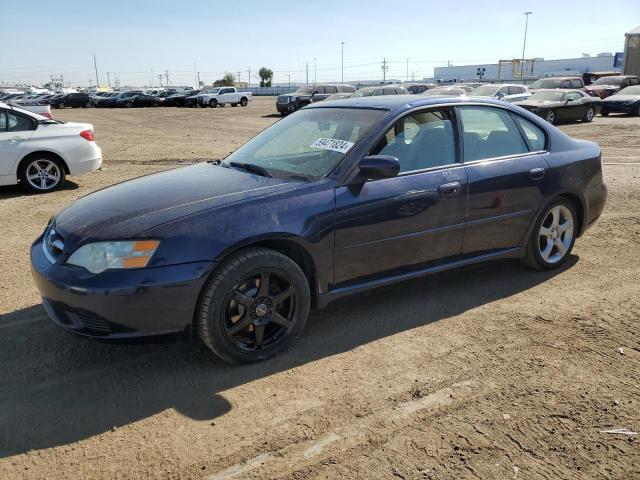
(250, 167)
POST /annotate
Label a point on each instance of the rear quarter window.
(535, 135)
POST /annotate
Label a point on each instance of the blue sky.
(132, 38)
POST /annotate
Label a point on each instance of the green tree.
(229, 79)
(266, 75)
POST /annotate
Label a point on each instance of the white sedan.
(39, 152)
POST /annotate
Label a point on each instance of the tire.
(34, 181)
(282, 114)
(233, 308)
(553, 236)
(638, 111)
(244, 101)
(604, 113)
(589, 114)
(213, 103)
(234, 104)
(128, 104)
(550, 116)
(61, 105)
(88, 105)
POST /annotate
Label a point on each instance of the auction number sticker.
(332, 144)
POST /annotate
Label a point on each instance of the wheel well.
(299, 255)
(45, 153)
(579, 209)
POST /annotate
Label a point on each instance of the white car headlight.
(101, 256)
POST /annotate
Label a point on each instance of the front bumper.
(286, 107)
(619, 108)
(119, 304)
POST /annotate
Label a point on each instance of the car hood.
(621, 98)
(126, 209)
(603, 87)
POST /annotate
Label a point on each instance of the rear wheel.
(253, 306)
(589, 114)
(553, 236)
(550, 117)
(244, 101)
(61, 105)
(128, 104)
(88, 105)
(41, 174)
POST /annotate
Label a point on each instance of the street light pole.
(342, 54)
(524, 43)
(315, 71)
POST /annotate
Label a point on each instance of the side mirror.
(568, 100)
(501, 94)
(375, 167)
(315, 92)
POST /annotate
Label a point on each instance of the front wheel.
(589, 114)
(61, 105)
(550, 117)
(213, 103)
(553, 236)
(254, 306)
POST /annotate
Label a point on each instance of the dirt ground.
(494, 372)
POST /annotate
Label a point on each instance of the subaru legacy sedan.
(337, 198)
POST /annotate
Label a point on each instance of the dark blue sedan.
(337, 198)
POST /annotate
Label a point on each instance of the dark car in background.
(371, 91)
(178, 99)
(102, 100)
(562, 105)
(113, 101)
(139, 100)
(444, 91)
(75, 100)
(337, 198)
(418, 88)
(552, 83)
(626, 100)
(606, 86)
(290, 102)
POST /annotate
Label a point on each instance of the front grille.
(52, 244)
(81, 320)
(89, 321)
(282, 99)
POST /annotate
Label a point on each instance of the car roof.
(401, 102)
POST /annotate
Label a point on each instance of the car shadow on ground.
(272, 115)
(15, 191)
(56, 388)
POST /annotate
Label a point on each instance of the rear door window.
(489, 133)
(575, 83)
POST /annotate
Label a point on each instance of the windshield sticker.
(332, 144)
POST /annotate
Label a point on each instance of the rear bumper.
(596, 198)
(85, 159)
(119, 304)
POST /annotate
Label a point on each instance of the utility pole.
(385, 67)
(289, 75)
(166, 72)
(95, 64)
(199, 81)
(342, 64)
(407, 69)
(108, 80)
(160, 79)
(238, 77)
(315, 71)
(307, 70)
(524, 43)
(195, 75)
(249, 76)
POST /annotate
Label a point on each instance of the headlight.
(100, 256)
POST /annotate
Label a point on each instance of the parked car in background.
(445, 91)
(590, 77)
(43, 110)
(314, 208)
(562, 105)
(102, 100)
(290, 102)
(39, 152)
(74, 100)
(178, 99)
(501, 91)
(138, 100)
(471, 85)
(371, 92)
(606, 86)
(550, 83)
(626, 100)
(418, 88)
(112, 101)
(219, 97)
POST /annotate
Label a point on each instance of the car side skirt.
(508, 253)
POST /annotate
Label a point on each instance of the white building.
(531, 68)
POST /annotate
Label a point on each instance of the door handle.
(449, 189)
(536, 173)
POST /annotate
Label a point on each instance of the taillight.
(46, 114)
(87, 135)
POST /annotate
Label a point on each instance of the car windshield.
(484, 91)
(545, 83)
(365, 92)
(546, 96)
(307, 144)
(440, 91)
(306, 90)
(634, 90)
(213, 90)
(609, 81)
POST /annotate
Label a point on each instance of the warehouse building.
(531, 68)
(632, 52)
